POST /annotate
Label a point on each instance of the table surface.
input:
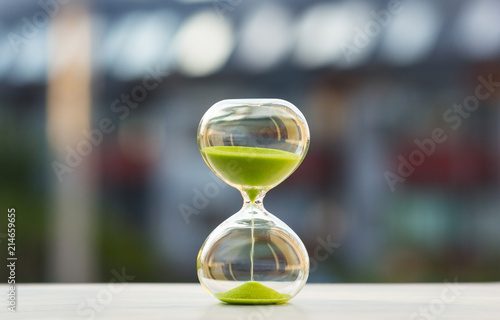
(316, 301)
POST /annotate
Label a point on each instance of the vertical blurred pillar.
(72, 224)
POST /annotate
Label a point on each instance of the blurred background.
(100, 103)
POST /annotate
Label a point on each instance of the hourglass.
(253, 145)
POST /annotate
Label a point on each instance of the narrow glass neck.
(257, 201)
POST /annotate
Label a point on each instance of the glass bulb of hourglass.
(253, 145)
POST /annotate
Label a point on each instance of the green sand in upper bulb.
(256, 168)
(253, 293)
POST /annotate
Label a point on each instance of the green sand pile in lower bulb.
(253, 293)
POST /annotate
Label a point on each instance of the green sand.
(253, 293)
(252, 168)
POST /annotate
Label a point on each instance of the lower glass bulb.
(253, 258)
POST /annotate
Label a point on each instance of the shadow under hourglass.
(253, 312)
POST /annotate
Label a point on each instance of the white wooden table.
(316, 301)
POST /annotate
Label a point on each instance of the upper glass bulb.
(253, 145)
